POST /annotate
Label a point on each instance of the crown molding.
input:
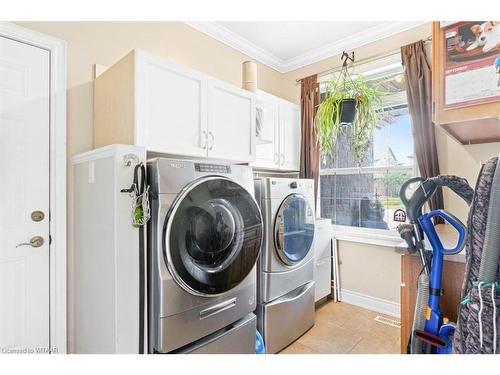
(226, 36)
(369, 35)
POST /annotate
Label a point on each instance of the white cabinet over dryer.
(148, 101)
(231, 128)
(277, 133)
(289, 115)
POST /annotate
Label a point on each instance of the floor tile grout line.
(308, 347)
(354, 346)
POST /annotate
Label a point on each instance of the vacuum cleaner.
(431, 331)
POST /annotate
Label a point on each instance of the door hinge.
(50, 239)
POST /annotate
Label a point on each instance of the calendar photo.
(471, 63)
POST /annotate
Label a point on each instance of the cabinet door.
(289, 136)
(267, 138)
(171, 112)
(231, 124)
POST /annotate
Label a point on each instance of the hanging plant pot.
(346, 100)
(347, 111)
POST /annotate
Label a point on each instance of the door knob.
(35, 241)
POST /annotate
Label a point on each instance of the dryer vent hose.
(491, 251)
(416, 345)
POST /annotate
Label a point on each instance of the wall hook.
(128, 159)
(346, 58)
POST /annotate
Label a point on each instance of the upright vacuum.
(478, 323)
(431, 331)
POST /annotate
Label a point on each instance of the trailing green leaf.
(368, 111)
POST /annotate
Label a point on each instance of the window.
(367, 195)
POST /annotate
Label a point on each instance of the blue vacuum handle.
(430, 230)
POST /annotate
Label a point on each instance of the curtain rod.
(362, 61)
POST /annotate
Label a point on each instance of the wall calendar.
(471, 69)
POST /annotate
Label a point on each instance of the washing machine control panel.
(212, 168)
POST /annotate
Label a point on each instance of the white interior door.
(24, 167)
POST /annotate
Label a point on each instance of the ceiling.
(289, 45)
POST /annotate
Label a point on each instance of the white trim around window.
(379, 237)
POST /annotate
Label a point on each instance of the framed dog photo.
(470, 75)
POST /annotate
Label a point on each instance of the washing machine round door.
(212, 236)
(294, 229)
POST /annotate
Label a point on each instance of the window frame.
(380, 68)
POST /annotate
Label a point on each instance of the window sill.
(367, 236)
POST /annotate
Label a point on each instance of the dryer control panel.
(212, 168)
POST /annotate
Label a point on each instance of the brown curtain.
(309, 150)
(418, 78)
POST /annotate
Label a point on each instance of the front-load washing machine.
(204, 239)
(285, 308)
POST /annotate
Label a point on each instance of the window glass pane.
(367, 194)
(366, 200)
(387, 187)
(393, 140)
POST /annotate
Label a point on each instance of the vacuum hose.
(491, 251)
(419, 316)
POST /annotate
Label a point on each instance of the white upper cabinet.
(289, 135)
(148, 101)
(171, 112)
(231, 129)
(278, 133)
(267, 131)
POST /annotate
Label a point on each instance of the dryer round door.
(294, 229)
(212, 236)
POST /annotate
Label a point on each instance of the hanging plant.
(349, 102)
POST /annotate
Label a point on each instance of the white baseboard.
(380, 305)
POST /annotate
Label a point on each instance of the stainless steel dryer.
(285, 307)
(204, 239)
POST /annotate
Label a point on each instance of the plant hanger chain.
(344, 76)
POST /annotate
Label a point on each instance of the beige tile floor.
(342, 328)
